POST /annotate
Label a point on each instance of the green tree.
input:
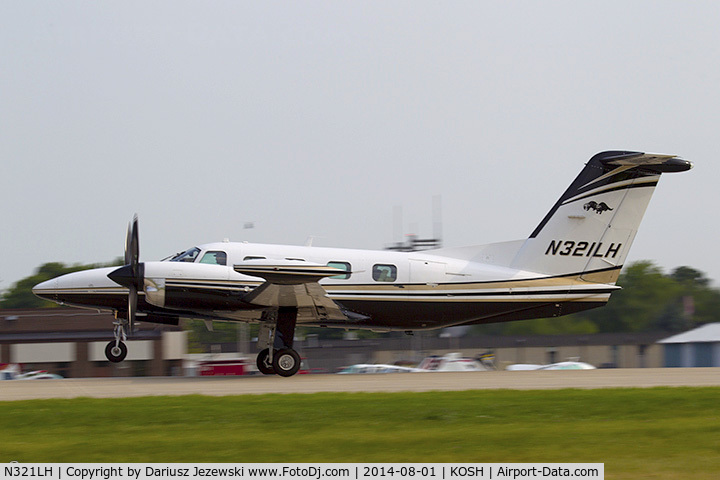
(645, 295)
(690, 277)
(649, 300)
(697, 302)
(568, 325)
(652, 301)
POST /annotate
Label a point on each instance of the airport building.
(621, 350)
(699, 347)
(71, 342)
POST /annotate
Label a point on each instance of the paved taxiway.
(398, 382)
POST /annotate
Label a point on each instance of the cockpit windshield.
(186, 256)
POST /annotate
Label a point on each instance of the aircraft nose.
(90, 288)
(47, 289)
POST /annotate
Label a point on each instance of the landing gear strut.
(116, 350)
(278, 356)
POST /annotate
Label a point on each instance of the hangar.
(71, 342)
(699, 347)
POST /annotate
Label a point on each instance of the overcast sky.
(319, 118)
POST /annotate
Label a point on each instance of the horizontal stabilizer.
(654, 162)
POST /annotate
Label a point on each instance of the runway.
(397, 382)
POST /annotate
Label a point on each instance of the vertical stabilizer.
(589, 230)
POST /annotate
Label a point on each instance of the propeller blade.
(128, 239)
(132, 244)
(132, 274)
(132, 306)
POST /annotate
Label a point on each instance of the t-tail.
(589, 231)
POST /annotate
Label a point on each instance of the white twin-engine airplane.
(569, 263)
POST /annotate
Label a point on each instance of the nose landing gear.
(116, 350)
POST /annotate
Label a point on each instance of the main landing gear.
(116, 350)
(283, 361)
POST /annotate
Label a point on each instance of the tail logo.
(598, 208)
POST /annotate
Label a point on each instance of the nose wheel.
(116, 350)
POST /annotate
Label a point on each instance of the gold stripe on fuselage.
(556, 288)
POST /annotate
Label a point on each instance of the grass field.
(636, 433)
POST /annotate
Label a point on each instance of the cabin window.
(384, 273)
(251, 257)
(341, 266)
(214, 258)
(186, 256)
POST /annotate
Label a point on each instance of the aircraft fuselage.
(387, 290)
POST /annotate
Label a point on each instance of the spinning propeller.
(132, 274)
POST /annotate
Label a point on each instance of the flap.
(291, 283)
(310, 298)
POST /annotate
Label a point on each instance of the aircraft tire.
(286, 362)
(262, 363)
(116, 354)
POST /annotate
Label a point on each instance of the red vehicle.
(235, 366)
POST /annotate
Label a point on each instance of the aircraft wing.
(293, 284)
